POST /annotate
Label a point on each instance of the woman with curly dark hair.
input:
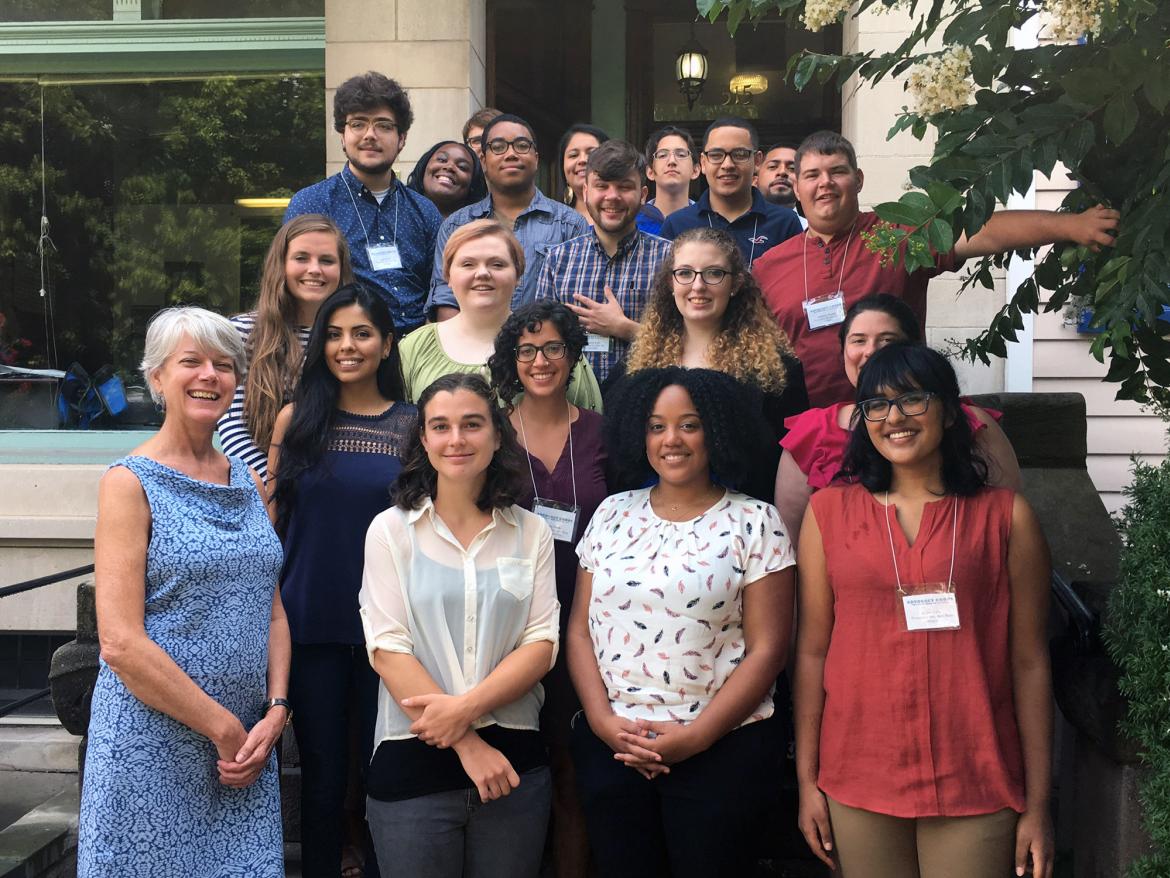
(679, 627)
(460, 613)
(335, 451)
(450, 175)
(923, 690)
(706, 311)
(536, 352)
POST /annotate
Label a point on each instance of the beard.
(782, 197)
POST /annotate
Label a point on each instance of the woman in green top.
(482, 262)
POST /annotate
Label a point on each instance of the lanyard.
(752, 254)
(844, 257)
(894, 558)
(377, 207)
(528, 455)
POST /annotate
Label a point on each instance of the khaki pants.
(870, 845)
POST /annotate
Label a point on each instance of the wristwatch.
(278, 702)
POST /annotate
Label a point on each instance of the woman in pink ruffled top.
(815, 443)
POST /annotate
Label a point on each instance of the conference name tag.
(930, 608)
(384, 257)
(825, 311)
(597, 343)
(561, 518)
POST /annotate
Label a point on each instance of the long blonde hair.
(749, 346)
(274, 351)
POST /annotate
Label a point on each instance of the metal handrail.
(30, 584)
(1083, 621)
(17, 705)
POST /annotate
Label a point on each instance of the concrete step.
(38, 748)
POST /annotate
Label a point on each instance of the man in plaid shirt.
(606, 276)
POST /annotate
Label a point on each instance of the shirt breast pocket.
(516, 576)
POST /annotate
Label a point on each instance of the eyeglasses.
(680, 154)
(381, 126)
(552, 350)
(712, 276)
(521, 145)
(739, 155)
(916, 402)
(474, 142)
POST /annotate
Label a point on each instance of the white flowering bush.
(822, 13)
(941, 82)
(1002, 114)
(1072, 19)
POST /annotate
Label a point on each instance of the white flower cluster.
(941, 82)
(891, 7)
(822, 13)
(1072, 18)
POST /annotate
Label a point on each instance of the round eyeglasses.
(521, 145)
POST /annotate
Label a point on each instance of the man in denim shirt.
(509, 155)
(390, 229)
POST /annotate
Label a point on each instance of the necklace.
(704, 501)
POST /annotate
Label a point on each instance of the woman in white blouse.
(679, 627)
(460, 612)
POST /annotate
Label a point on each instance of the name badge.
(825, 311)
(561, 518)
(597, 343)
(930, 608)
(384, 257)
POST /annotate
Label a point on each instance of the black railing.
(1082, 622)
(29, 585)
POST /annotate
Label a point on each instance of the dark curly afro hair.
(731, 429)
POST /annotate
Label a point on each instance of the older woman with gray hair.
(190, 701)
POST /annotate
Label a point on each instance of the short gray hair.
(208, 330)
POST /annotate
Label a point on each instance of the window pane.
(130, 10)
(141, 188)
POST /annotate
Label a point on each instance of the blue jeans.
(455, 835)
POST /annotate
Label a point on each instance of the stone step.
(38, 748)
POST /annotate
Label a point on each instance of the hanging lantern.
(690, 69)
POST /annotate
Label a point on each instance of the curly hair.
(530, 318)
(731, 429)
(369, 91)
(505, 474)
(749, 347)
(902, 367)
(274, 351)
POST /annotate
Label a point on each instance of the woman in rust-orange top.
(923, 689)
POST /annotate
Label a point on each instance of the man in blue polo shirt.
(729, 160)
(391, 230)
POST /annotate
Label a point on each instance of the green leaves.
(1121, 115)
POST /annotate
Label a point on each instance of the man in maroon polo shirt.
(811, 280)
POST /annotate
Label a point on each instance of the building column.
(867, 113)
(436, 49)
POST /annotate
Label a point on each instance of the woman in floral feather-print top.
(679, 628)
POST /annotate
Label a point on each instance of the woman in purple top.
(336, 450)
(536, 352)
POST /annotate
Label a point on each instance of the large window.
(146, 187)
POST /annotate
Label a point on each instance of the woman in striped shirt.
(307, 261)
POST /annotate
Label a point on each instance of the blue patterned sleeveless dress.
(152, 804)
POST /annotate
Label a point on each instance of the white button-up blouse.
(459, 611)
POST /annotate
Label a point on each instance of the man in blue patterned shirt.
(390, 229)
(508, 152)
(607, 274)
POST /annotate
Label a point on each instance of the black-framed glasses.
(916, 402)
(552, 350)
(521, 145)
(679, 154)
(381, 126)
(712, 276)
(739, 155)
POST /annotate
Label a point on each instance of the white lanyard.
(572, 463)
(352, 201)
(844, 257)
(894, 558)
(752, 254)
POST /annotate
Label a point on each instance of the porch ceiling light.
(690, 69)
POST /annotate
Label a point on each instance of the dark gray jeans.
(455, 835)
